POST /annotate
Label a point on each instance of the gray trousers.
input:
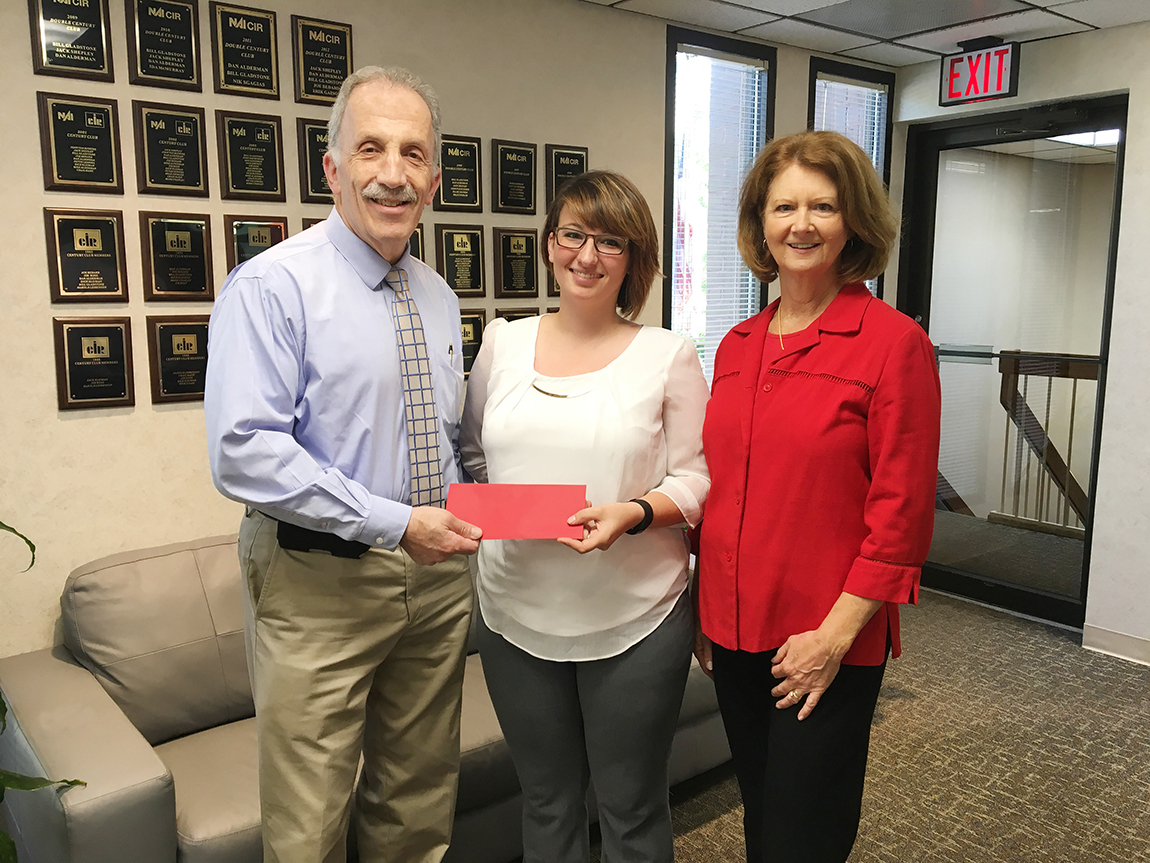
(608, 720)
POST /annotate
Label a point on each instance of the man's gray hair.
(392, 75)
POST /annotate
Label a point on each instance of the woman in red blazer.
(822, 441)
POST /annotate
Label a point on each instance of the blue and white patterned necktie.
(418, 396)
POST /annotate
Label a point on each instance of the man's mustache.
(390, 196)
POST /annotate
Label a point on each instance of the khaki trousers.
(349, 657)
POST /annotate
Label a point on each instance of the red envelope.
(513, 511)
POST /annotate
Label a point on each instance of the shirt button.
(766, 388)
(323, 524)
(379, 540)
(728, 557)
(738, 501)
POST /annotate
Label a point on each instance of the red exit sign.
(991, 73)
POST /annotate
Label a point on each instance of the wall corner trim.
(1119, 644)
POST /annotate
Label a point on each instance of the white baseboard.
(1118, 644)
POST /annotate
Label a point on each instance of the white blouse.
(629, 428)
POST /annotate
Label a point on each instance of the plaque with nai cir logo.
(164, 44)
(321, 51)
(563, 163)
(93, 363)
(177, 256)
(247, 236)
(313, 187)
(516, 267)
(245, 57)
(462, 176)
(178, 357)
(80, 144)
(473, 321)
(513, 190)
(251, 156)
(70, 38)
(171, 150)
(86, 256)
(459, 254)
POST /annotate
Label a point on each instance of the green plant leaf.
(7, 848)
(28, 542)
(20, 782)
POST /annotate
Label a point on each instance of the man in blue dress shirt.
(334, 392)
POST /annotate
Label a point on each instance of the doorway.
(1008, 261)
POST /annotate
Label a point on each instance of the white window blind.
(720, 104)
(858, 110)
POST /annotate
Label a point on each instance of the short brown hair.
(609, 202)
(863, 202)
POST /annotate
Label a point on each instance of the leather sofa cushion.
(699, 697)
(216, 774)
(162, 630)
(486, 773)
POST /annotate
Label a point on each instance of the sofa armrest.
(62, 724)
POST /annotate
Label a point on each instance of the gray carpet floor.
(997, 740)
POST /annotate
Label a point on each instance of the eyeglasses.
(605, 244)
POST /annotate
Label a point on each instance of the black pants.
(801, 782)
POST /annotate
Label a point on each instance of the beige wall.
(83, 484)
(1096, 63)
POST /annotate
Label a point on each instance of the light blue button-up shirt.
(303, 402)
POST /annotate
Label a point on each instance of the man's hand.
(434, 534)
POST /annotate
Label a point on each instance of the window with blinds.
(720, 123)
(854, 101)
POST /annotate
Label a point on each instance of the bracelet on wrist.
(645, 521)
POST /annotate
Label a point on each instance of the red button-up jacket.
(823, 467)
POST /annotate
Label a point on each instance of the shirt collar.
(843, 315)
(368, 264)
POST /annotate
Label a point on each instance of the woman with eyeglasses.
(586, 643)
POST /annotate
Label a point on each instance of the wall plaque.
(177, 256)
(313, 187)
(513, 186)
(473, 321)
(563, 163)
(86, 256)
(70, 39)
(459, 254)
(516, 314)
(516, 268)
(321, 51)
(93, 363)
(171, 150)
(247, 236)
(178, 357)
(415, 243)
(80, 144)
(462, 180)
(251, 156)
(244, 58)
(309, 222)
(164, 44)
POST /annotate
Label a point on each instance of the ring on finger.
(795, 696)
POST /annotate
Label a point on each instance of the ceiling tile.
(887, 19)
(702, 13)
(788, 31)
(1020, 27)
(785, 7)
(1106, 13)
(889, 55)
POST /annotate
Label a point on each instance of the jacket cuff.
(888, 582)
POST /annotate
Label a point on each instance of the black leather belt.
(296, 538)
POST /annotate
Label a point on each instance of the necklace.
(553, 395)
(779, 322)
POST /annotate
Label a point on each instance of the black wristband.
(648, 516)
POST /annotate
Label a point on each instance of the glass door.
(1015, 294)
